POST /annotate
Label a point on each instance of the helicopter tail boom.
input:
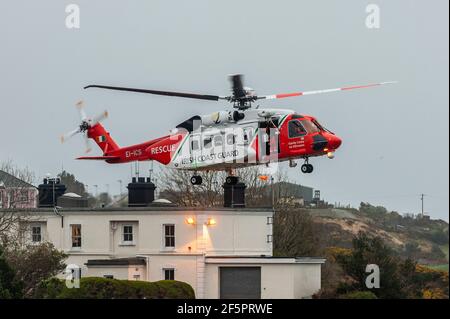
(102, 138)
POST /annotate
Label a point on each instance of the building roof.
(263, 260)
(132, 261)
(9, 181)
(141, 210)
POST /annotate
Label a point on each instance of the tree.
(72, 184)
(10, 286)
(294, 233)
(175, 186)
(34, 263)
(395, 274)
(19, 193)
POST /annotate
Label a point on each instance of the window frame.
(218, 138)
(36, 234)
(127, 242)
(78, 237)
(170, 237)
(195, 140)
(301, 125)
(207, 145)
(248, 134)
(227, 139)
(170, 270)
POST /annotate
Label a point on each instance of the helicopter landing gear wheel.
(231, 180)
(307, 168)
(196, 180)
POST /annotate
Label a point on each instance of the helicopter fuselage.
(227, 140)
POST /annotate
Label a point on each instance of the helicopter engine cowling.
(222, 117)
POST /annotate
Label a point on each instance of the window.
(127, 234)
(296, 129)
(36, 236)
(76, 235)
(108, 276)
(218, 140)
(195, 145)
(207, 142)
(310, 126)
(231, 139)
(269, 238)
(169, 235)
(269, 220)
(248, 134)
(169, 274)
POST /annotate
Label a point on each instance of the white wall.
(235, 233)
(278, 280)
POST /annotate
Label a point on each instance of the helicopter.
(225, 140)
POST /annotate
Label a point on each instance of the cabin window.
(76, 235)
(218, 140)
(36, 235)
(248, 134)
(195, 145)
(207, 142)
(296, 129)
(231, 139)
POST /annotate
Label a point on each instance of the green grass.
(441, 267)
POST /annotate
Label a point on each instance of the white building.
(221, 253)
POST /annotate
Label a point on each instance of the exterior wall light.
(190, 221)
(210, 222)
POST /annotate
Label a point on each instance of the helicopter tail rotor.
(86, 124)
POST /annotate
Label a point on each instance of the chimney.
(141, 192)
(234, 195)
(49, 192)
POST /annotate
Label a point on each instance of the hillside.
(421, 239)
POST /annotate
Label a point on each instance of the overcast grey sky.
(395, 137)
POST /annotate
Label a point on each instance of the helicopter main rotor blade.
(80, 107)
(237, 85)
(67, 136)
(281, 96)
(99, 118)
(166, 93)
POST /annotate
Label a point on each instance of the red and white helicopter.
(223, 140)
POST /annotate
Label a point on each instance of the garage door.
(240, 282)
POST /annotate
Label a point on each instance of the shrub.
(104, 288)
(10, 285)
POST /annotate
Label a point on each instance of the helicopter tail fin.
(102, 138)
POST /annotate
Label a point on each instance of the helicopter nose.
(334, 142)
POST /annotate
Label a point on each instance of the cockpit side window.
(296, 129)
(310, 126)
